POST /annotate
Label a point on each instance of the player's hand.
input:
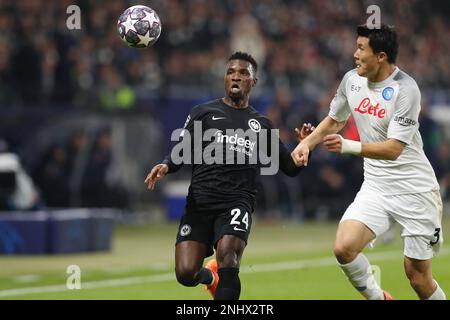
(158, 172)
(333, 143)
(300, 155)
(305, 131)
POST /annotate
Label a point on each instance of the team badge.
(254, 125)
(388, 92)
(185, 230)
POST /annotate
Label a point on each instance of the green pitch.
(282, 261)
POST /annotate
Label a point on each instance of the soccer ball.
(139, 26)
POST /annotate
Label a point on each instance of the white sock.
(438, 294)
(359, 272)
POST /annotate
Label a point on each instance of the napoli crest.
(388, 92)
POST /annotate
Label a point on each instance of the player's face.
(367, 62)
(239, 79)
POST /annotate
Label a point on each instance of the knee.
(228, 259)
(344, 252)
(186, 276)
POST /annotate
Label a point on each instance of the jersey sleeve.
(405, 120)
(286, 163)
(194, 115)
(339, 108)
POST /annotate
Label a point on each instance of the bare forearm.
(386, 150)
(326, 126)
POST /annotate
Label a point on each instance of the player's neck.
(241, 104)
(383, 73)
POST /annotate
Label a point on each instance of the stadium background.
(88, 117)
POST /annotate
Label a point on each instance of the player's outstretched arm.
(287, 165)
(157, 173)
(300, 155)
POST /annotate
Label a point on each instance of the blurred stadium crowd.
(303, 49)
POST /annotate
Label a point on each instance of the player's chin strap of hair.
(350, 146)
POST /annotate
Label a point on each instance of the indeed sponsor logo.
(235, 147)
(247, 143)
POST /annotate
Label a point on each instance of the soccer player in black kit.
(221, 197)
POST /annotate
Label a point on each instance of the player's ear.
(382, 56)
(255, 80)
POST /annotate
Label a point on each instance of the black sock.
(229, 287)
(204, 276)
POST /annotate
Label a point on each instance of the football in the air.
(139, 26)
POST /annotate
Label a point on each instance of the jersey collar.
(385, 82)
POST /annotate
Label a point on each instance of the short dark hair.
(246, 57)
(383, 39)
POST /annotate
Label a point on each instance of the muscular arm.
(326, 126)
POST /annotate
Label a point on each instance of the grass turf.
(282, 261)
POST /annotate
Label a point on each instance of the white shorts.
(419, 215)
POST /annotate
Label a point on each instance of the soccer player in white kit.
(399, 182)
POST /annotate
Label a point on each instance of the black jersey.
(219, 185)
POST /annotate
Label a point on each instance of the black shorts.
(209, 226)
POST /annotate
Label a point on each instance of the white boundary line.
(263, 267)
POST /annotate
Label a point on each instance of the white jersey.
(384, 110)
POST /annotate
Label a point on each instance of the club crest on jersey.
(254, 125)
(185, 230)
(388, 92)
